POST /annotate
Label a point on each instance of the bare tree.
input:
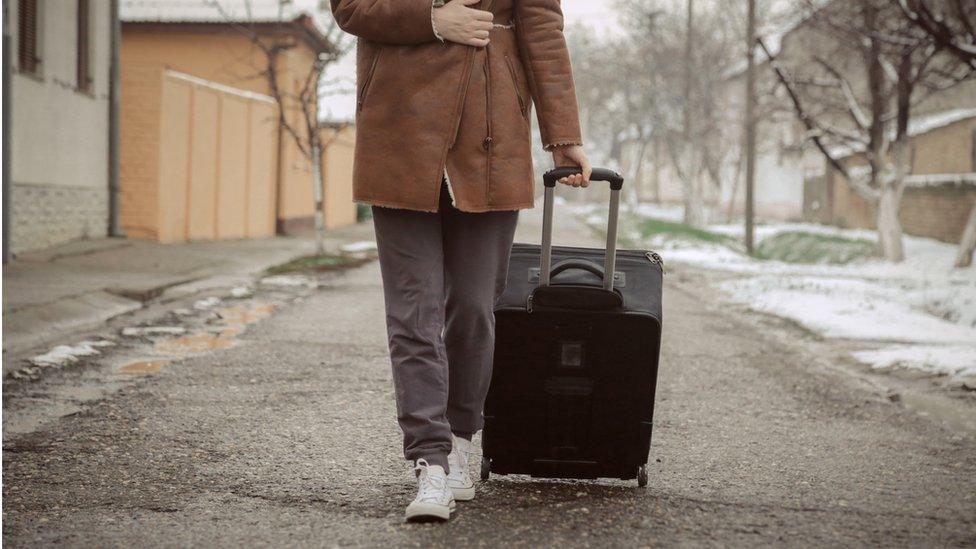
(298, 109)
(862, 103)
(952, 25)
(675, 69)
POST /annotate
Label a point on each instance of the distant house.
(58, 122)
(203, 155)
(940, 192)
(793, 179)
(781, 165)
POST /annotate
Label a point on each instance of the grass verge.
(317, 263)
(814, 248)
(651, 227)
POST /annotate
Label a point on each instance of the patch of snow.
(923, 124)
(953, 360)
(847, 308)
(930, 179)
(918, 125)
(666, 212)
(922, 307)
(69, 354)
(207, 303)
(289, 281)
(140, 331)
(241, 292)
(360, 246)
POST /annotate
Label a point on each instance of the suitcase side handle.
(581, 264)
(610, 257)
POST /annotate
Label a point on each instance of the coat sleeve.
(402, 22)
(539, 24)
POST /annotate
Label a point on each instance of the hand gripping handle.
(599, 174)
(610, 258)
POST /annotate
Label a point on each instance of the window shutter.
(27, 52)
(84, 53)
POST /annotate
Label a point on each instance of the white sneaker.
(434, 501)
(459, 479)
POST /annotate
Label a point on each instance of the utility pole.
(114, 95)
(7, 136)
(692, 214)
(750, 128)
(686, 114)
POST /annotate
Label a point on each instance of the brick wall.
(140, 127)
(46, 215)
(938, 212)
(197, 161)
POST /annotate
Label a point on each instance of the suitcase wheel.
(641, 475)
(485, 468)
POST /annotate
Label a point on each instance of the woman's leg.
(476, 251)
(411, 262)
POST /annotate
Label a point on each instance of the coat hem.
(413, 207)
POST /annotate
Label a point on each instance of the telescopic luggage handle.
(610, 258)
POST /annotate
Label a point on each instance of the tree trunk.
(690, 184)
(750, 130)
(889, 201)
(636, 170)
(318, 185)
(691, 187)
(964, 258)
(658, 161)
(730, 209)
(889, 226)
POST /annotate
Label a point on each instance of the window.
(83, 47)
(28, 54)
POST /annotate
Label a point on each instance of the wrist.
(434, 7)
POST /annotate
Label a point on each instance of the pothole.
(142, 367)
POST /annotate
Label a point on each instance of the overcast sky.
(594, 13)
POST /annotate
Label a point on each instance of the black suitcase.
(576, 356)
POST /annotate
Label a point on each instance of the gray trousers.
(442, 273)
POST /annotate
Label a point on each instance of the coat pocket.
(368, 80)
(516, 85)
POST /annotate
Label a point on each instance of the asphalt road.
(288, 438)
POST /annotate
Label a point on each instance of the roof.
(305, 16)
(917, 125)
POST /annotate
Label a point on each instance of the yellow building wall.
(198, 159)
(227, 57)
(139, 159)
(947, 150)
(337, 168)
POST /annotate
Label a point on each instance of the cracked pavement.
(289, 438)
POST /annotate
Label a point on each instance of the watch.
(439, 3)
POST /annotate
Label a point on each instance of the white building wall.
(59, 170)
(779, 185)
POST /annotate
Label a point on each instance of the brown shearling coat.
(426, 106)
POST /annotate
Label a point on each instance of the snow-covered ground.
(918, 314)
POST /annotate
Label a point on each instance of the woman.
(443, 154)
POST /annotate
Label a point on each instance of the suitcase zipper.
(653, 257)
